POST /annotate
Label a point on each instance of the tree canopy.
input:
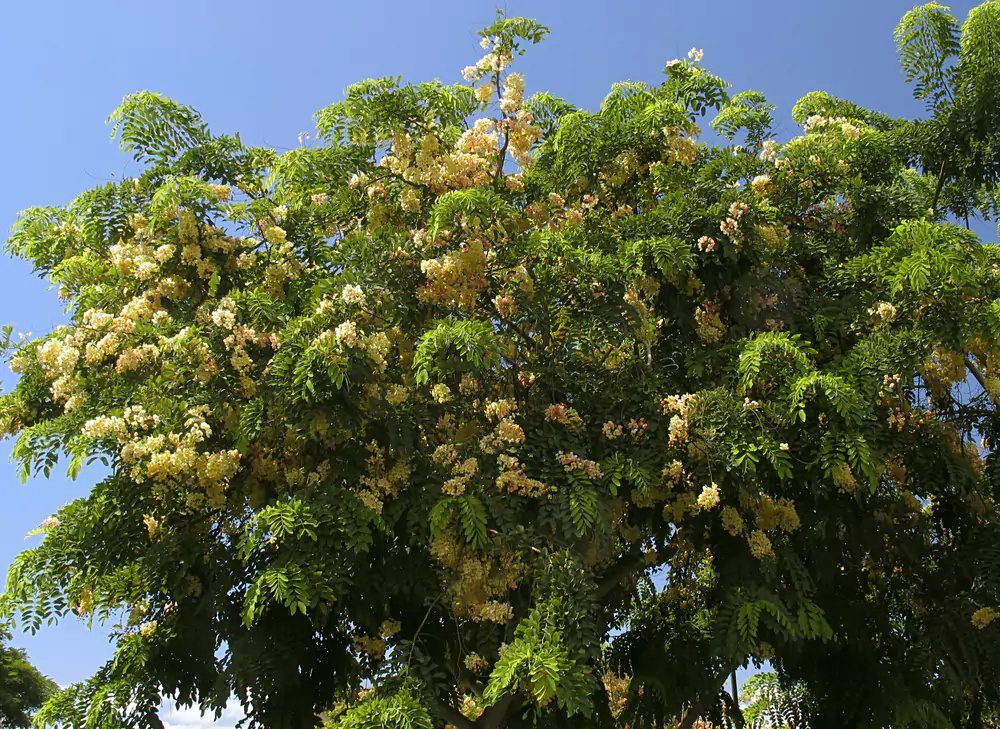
(22, 687)
(485, 410)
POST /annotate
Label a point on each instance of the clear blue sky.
(263, 68)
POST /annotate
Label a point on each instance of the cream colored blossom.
(732, 522)
(984, 616)
(441, 393)
(57, 357)
(678, 430)
(353, 294)
(850, 131)
(769, 150)
(106, 426)
(573, 463)
(884, 311)
(564, 414)
(484, 93)
(673, 473)
(346, 334)
(709, 497)
(499, 409)
(760, 545)
(761, 184)
(510, 432)
(396, 394)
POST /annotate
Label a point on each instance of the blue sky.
(262, 69)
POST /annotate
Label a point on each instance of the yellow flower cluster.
(476, 663)
(455, 278)
(564, 414)
(883, 311)
(470, 709)
(732, 522)
(461, 473)
(761, 184)
(679, 407)
(681, 149)
(710, 327)
(426, 162)
(617, 689)
(513, 93)
(171, 457)
(942, 369)
(572, 463)
(381, 480)
(135, 357)
(353, 294)
(769, 150)
(374, 647)
(514, 480)
(673, 473)
(493, 62)
(620, 170)
(396, 394)
(507, 433)
(843, 478)
(441, 393)
(480, 580)
(58, 356)
(224, 316)
(683, 504)
(678, 430)
(106, 426)
(818, 122)
(760, 545)
(505, 305)
(521, 133)
(499, 409)
(492, 611)
(347, 334)
(984, 616)
(774, 514)
(709, 497)
(468, 385)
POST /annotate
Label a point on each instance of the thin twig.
(416, 635)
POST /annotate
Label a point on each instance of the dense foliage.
(483, 410)
(22, 687)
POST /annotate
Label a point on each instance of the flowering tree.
(488, 411)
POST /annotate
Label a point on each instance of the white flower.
(346, 334)
(709, 497)
(353, 294)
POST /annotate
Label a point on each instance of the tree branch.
(453, 716)
(705, 702)
(495, 716)
(976, 372)
(940, 185)
(625, 566)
